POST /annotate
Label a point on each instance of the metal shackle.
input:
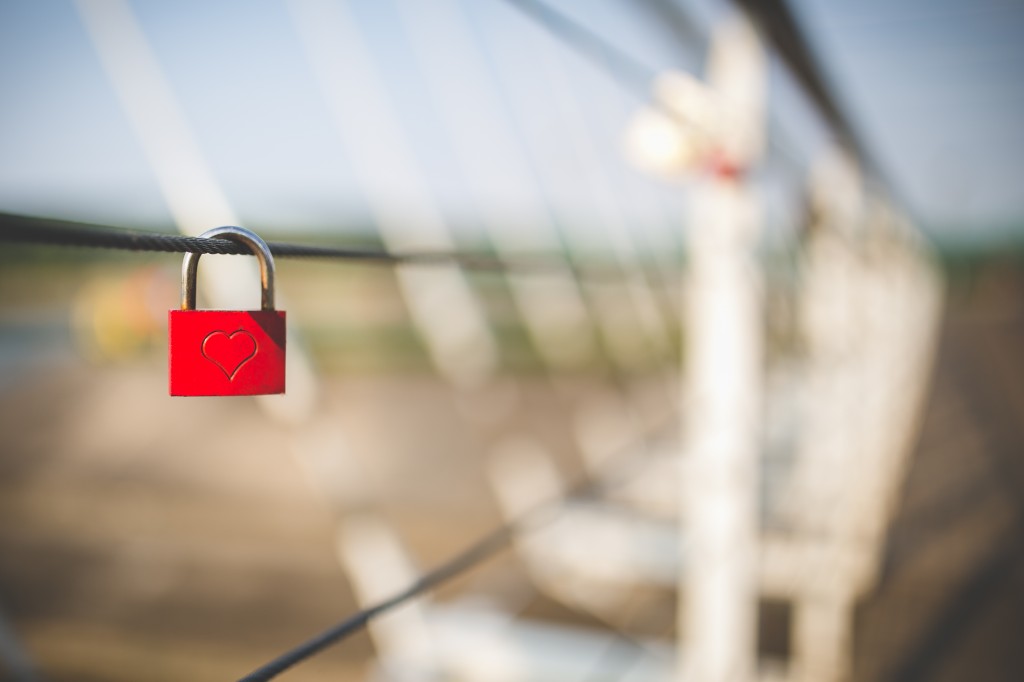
(190, 267)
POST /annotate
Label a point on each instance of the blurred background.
(762, 294)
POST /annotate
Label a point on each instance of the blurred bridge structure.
(799, 447)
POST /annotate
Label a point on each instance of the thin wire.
(632, 75)
(467, 559)
(26, 230)
(629, 72)
(490, 544)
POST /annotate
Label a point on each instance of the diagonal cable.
(621, 469)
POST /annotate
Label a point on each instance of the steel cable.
(484, 548)
(41, 231)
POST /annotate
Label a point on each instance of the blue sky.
(934, 86)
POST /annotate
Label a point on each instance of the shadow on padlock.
(227, 352)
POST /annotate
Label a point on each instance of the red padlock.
(227, 352)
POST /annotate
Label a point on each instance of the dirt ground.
(150, 538)
(145, 537)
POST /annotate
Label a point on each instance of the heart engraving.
(229, 351)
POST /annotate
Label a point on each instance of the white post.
(828, 459)
(723, 377)
(869, 315)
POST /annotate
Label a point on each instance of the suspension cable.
(632, 75)
(23, 229)
(532, 519)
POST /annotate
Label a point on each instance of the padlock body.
(226, 352)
